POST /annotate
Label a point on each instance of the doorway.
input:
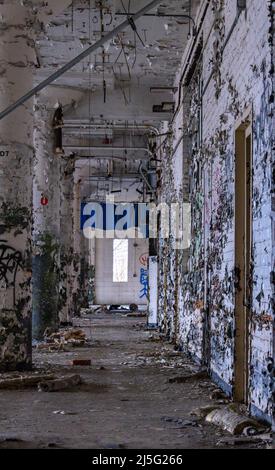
(121, 273)
(243, 243)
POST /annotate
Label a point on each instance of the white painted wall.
(108, 292)
(153, 289)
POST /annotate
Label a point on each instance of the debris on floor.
(202, 374)
(9, 439)
(136, 315)
(92, 309)
(59, 384)
(232, 421)
(24, 381)
(62, 412)
(203, 411)
(156, 337)
(139, 326)
(218, 394)
(115, 396)
(180, 422)
(244, 440)
(164, 358)
(63, 339)
(81, 362)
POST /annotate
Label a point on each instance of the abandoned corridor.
(153, 120)
(126, 400)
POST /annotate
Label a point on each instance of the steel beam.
(78, 58)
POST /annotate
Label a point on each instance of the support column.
(91, 272)
(84, 271)
(16, 154)
(66, 240)
(46, 222)
(80, 262)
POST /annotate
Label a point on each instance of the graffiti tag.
(144, 283)
(10, 261)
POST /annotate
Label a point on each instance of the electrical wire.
(135, 47)
(135, 38)
(132, 23)
(119, 83)
(126, 59)
(121, 51)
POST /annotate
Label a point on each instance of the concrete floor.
(125, 402)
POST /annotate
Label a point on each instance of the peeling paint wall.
(80, 254)
(233, 72)
(271, 366)
(16, 60)
(20, 25)
(66, 240)
(46, 221)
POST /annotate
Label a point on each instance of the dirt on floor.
(134, 396)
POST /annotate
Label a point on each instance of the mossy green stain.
(45, 286)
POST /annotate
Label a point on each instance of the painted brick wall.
(235, 73)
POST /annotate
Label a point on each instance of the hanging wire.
(119, 84)
(132, 23)
(135, 48)
(126, 58)
(121, 51)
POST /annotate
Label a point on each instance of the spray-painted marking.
(10, 261)
(4, 153)
(144, 283)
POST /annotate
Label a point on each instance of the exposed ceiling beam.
(162, 15)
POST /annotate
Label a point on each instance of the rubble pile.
(63, 339)
(165, 359)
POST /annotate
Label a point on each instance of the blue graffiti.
(144, 283)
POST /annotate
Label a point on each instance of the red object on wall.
(44, 201)
(143, 259)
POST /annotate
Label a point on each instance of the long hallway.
(137, 173)
(126, 399)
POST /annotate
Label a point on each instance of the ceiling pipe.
(110, 35)
(113, 157)
(75, 124)
(109, 149)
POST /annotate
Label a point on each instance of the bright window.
(120, 261)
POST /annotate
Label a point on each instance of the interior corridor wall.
(226, 81)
